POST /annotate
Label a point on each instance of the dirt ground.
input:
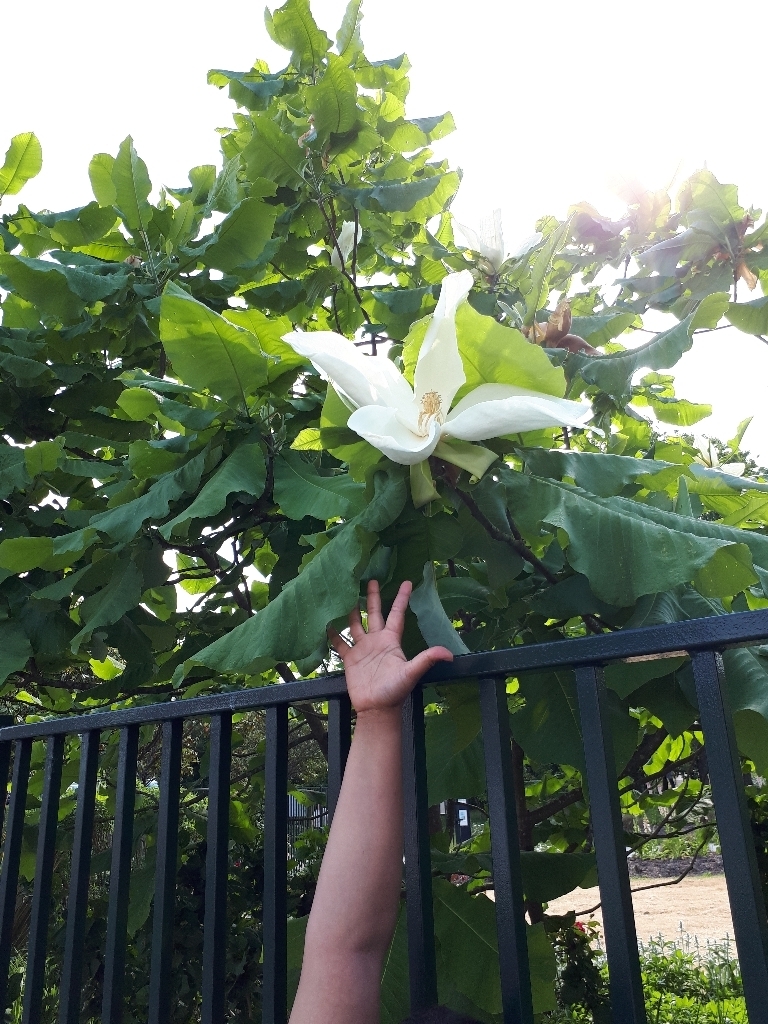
(699, 902)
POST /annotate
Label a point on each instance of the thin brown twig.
(656, 885)
(515, 540)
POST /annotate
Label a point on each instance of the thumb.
(424, 661)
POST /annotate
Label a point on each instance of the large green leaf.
(120, 595)
(13, 470)
(15, 649)
(491, 354)
(547, 727)
(132, 187)
(600, 474)
(546, 876)
(207, 352)
(333, 100)
(537, 292)
(293, 625)
(348, 41)
(100, 174)
(240, 237)
(436, 628)
(746, 669)
(455, 764)
(20, 554)
(78, 227)
(269, 331)
(625, 548)
(23, 160)
(293, 27)
(750, 317)
(125, 521)
(272, 154)
(250, 89)
(300, 490)
(394, 999)
(600, 328)
(244, 470)
(465, 927)
(613, 373)
(60, 291)
(391, 196)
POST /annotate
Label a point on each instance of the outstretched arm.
(355, 907)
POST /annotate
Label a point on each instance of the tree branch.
(514, 539)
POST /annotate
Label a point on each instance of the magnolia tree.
(225, 408)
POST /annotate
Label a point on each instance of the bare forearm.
(355, 904)
(355, 908)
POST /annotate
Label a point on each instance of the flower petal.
(365, 380)
(346, 243)
(381, 428)
(493, 237)
(495, 393)
(477, 420)
(439, 367)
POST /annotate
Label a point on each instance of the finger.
(338, 642)
(396, 617)
(375, 618)
(356, 625)
(424, 661)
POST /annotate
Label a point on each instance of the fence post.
(9, 874)
(275, 984)
(80, 872)
(34, 983)
(161, 975)
(216, 867)
(505, 853)
(422, 969)
(627, 1003)
(736, 842)
(120, 876)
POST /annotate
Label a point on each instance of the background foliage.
(184, 509)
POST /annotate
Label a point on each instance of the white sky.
(553, 102)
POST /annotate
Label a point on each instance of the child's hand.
(379, 676)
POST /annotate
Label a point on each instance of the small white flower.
(711, 460)
(346, 243)
(406, 423)
(488, 242)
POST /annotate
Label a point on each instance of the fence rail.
(702, 639)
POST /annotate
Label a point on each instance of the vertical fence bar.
(216, 869)
(120, 876)
(422, 969)
(5, 768)
(9, 874)
(165, 874)
(80, 870)
(627, 1004)
(34, 983)
(736, 842)
(505, 850)
(275, 983)
(339, 736)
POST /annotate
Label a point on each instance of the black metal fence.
(702, 639)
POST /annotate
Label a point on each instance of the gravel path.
(699, 902)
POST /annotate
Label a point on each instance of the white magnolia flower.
(406, 423)
(488, 242)
(711, 460)
(346, 243)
